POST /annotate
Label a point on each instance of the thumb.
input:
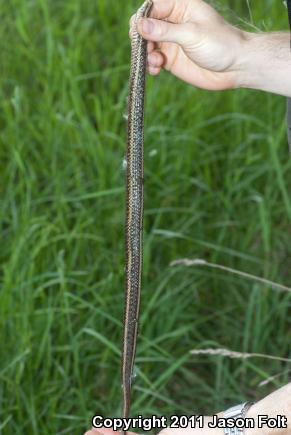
(162, 31)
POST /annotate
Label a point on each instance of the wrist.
(248, 67)
(264, 62)
(267, 407)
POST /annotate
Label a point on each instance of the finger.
(156, 30)
(153, 71)
(163, 9)
(150, 47)
(155, 59)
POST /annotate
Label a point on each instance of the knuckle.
(161, 30)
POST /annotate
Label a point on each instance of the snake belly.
(134, 204)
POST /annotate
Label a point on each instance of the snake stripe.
(134, 205)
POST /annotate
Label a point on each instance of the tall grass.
(217, 187)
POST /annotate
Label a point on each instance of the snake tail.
(134, 204)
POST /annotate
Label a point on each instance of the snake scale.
(134, 204)
(134, 201)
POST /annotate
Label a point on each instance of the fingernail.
(147, 26)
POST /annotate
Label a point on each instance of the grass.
(217, 187)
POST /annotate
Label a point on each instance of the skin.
(193, 42)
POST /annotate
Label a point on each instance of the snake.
(134, 204)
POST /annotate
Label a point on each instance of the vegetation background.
(217, 187)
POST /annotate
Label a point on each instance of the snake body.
(134, 204)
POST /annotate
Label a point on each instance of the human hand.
(192, 41)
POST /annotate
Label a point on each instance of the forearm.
(277, 403)
(265, 63)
